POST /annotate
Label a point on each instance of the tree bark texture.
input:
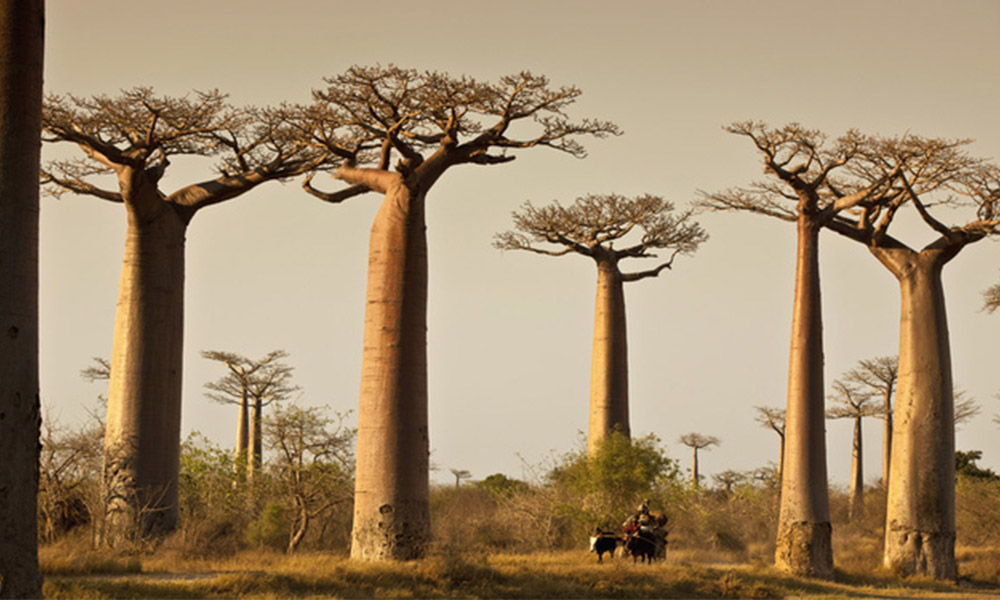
(804, 532)
(856, 493)
(240, 460)
(142, 443)
(920, 510)
(22, 26)
(609, 363)
(391, 502)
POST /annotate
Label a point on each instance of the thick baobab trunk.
(694, 466)
(21, 44)
(255, 442)
(142, 442)
(920, 510)
(856, 492)
(240, 460)
(609, 364)
(804, 532)
(391, 500)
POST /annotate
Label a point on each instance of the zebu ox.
(604, 542)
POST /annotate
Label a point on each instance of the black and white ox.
(602, 543)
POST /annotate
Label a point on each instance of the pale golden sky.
(509, 334)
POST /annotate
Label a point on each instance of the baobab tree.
(852, 401)
(251, 385)
(22, 33)
(696, 442)
(804, 170)
(132, 137)
(931, 174)
(431, 122)
(460, 474)
(728, 478)
(591, 227)
(879, 376)
(773, 419)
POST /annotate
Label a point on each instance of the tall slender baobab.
(803, 169)
(696, 442)
(431, 122)
(773, 419)
(132, 137)
(22, 33)
(920, 512)
(590, 227)
(879, 375)
(251, 385)
(852, 401)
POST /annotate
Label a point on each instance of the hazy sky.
(510, 333)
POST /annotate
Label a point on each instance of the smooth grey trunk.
(142, 441)
(804, 532)
(920, 509)
(609, 363)
(856, 493)
(391, 501)
(22, 27)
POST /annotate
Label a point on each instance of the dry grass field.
(564, 574)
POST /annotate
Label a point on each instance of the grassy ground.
(543, 575)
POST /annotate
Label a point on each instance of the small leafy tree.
(312, 465)
(610, 483)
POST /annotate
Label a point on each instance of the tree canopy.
(370, 115)
(594, 223)
(133, 135)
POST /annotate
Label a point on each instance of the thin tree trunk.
(804, 532)
(299, 532)
(142, 442)
(240, 461)
(22, 26)
(391, 506)
(920, 510)
(609, 364)
(857, 487)
(255, 442)
(886, 437)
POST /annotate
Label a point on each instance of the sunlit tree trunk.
(804, 532)
(391, 503)
(920, 510)
(609, 364)
(857, 486)
(21, 43)
(142, 442)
